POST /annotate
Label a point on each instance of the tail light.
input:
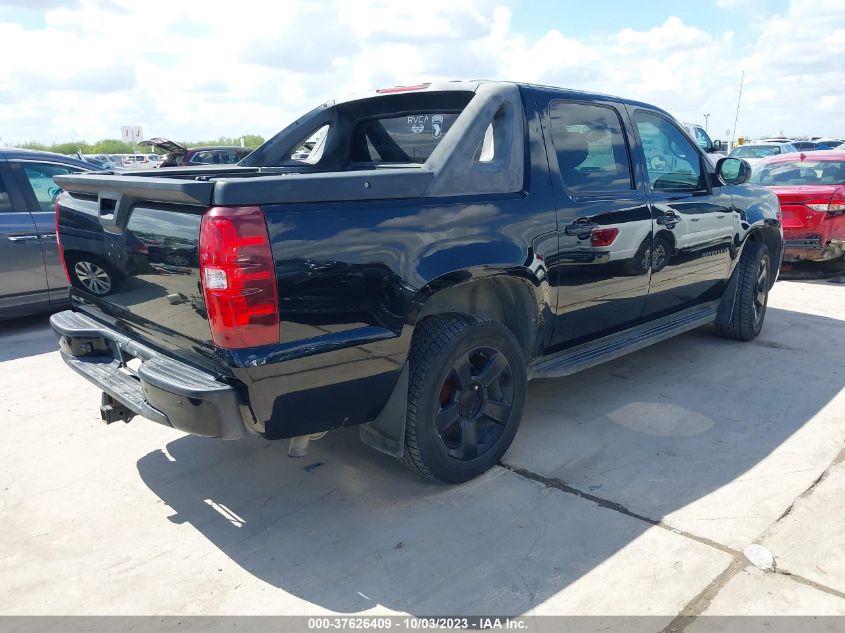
(834, 206)
(238, 277)
(395, 89)
(603, 237)
(59, 240)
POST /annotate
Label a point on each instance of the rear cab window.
(409, 138)
(390, 130)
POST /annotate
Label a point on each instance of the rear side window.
(410, 138)
(40, 177)
(590, 145)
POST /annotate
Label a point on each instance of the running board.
(586, 355)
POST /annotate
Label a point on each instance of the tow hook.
(113, 411)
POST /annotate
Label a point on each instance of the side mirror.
(717, 146)
(733, 171)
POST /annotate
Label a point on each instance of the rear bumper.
(162, 389)
(813, 248)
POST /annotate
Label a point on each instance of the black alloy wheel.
(475, 403)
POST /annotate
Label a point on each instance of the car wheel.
(176, 260)
(640, 263)
(660, 253)
(92, 275)
(755, 279)
(465, 397)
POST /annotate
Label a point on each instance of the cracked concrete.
(631, 490)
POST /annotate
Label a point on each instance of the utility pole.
(738, 99)
(706, 119)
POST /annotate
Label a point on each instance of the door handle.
(670, 217)
(47, 236)
(581, 226)
(18, 239)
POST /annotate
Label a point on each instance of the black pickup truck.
(406, 262)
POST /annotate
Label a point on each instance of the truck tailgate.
(146, 238)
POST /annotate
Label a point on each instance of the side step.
(586, 355)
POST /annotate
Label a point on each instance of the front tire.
(465, 397)
(749, 311)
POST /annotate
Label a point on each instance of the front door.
(601, 270)
(694, 222)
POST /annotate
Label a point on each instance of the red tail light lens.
(59, 240)
(395, 89)
(603, 237)
(238, 277)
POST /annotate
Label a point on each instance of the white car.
(758, 150)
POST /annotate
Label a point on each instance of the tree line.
(117, 146)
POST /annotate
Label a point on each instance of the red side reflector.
(385, 91)
(603, 237)
(238, 277)
(59, 240)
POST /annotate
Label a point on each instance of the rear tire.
(749, 311)
(465, 397)
(91, 274)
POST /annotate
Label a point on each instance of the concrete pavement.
(631, 489)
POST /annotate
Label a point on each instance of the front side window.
(673, 162)
(590, 146)
(40, 177)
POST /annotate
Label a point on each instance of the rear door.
(23, 282)
(604, 224)
(693, 216)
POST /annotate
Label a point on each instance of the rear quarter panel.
(352, 278)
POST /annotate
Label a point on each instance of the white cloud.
(196, 69)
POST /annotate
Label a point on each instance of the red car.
(811, 191)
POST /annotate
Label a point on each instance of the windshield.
(806, 172)
(756, 151)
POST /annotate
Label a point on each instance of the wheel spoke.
(447, 417)
(493, 369)
(760, 299)
(496, 411)
(463, 372)
(469, 439)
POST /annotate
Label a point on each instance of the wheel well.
(505, 300)
(773, 241)
(668, 236)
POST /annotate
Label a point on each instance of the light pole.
(706, 117)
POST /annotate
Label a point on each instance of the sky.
(186, 69)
